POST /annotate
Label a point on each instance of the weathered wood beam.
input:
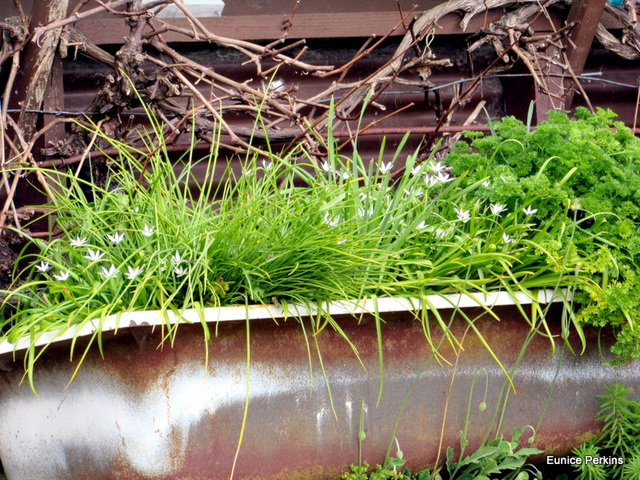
(38, 61)
(585, 15)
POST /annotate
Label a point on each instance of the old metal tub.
(150, 412)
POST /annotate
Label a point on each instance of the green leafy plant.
(498, 459)
(619, 442)
(585, 175)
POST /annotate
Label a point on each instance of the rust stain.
(195, 420)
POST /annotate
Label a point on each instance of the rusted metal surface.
(149, 412)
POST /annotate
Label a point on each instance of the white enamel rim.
(258, 312)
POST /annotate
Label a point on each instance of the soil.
(7, 258)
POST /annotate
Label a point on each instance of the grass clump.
(291, 229)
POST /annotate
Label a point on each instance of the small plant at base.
(499, 459)
(587, 469)
(619, 440)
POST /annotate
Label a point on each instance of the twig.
(23, 16)
(373, 124)
(577, 83)
(287, 24)
(76, 16)
(242, 45)
(473, 85)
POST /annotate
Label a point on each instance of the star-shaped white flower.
(133, 272)
(385, 167)
(180, 271)
(147, 231)
(443, 177)
(436, 167)
(43, 266)
(62, 276)
(116, 237)
(421, 226)
(506, 238)
(176, 259)
(325, 166)
(94, 255)
(486, 184)
(497, 208)
(345, 175)
(340, 242)
(416, 170)
(463, 215)
(77, 242)
(431, 181)
(111, 272)
(267, 165)
(529, 211)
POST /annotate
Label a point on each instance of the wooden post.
(585, 16)
(33, 78)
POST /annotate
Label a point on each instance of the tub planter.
(149, 412)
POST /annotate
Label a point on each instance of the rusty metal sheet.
(149, 412)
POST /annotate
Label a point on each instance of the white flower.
(345, 175)
(111, 272)
(463, 215)
(436, 167)
(486, 184)
(325, 166)
(497, 208)
(76, 242)
(431, 181)
(529, 211)
(94, 255)
(267, 165)
(64, 274)
(385, 167)
(43, 266)
(133, 272)
(506, 238)
(147, 231)
(443, 177)
(340, 242)
(416, 170)
(247, 172)
(421, 226)
(176, 259)
(180, 271)
(116, 237)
